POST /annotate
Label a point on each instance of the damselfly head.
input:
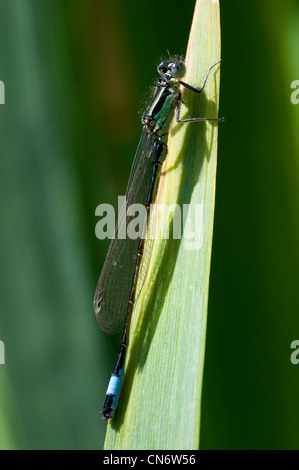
(177, 68)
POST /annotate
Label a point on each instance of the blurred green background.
(76, 74)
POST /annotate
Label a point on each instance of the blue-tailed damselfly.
(116, 290)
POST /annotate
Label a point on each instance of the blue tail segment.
(114, 386)
(112, 396)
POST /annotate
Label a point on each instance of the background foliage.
(75, 74)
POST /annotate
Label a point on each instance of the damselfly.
(119, 283)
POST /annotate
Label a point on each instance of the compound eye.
(178, 68)
(163, 67)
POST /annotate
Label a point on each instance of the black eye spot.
(163, 67)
